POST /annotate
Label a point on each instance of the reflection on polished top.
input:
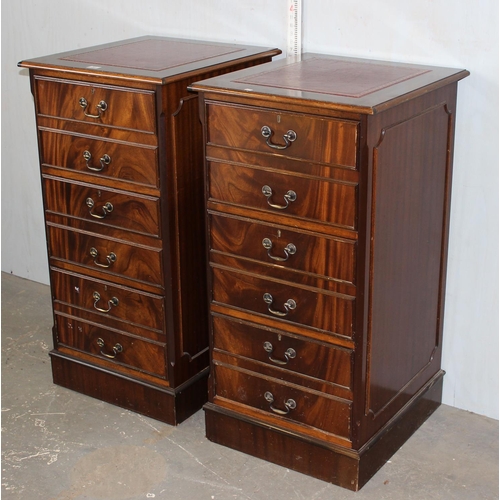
(149, 58)
(340, 83)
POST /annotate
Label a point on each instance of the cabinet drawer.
(118, 209)
(136, 164)
(284, 401)
(278, 349)
(148, 357)
(108, 256)
(120, 107)
(327, 312)
(326, 257)
(321, 140)
(283, 194)
(104, 299)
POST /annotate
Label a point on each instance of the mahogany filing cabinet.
(328, 186)
(121, 157)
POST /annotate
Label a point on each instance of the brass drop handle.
(290, 404)
(289, 197)
(106, 208)
(101, 107)
(113, 302)
(105, 160)
(289, 305)
(289, 137)
(117, 348)
(290, 249)
(289, 354)
(110, 258)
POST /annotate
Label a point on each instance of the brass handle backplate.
(289, 305)
(289, 354)
(105, 160)
(290, 404)
(289, 137)
(110, 258)
(117, 349)
(106, 209)
(290, 249)
(289, 197)
(101, 107)
(113, 302)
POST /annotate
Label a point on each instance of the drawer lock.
(290, 404)
(289, 137)
(289, 305)
(289, 354)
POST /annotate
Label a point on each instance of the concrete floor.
(60, 445)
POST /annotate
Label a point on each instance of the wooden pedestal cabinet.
(121, 159)
(328, 186)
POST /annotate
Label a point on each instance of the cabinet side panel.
(411, 171)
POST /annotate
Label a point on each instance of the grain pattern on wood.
(122, 349)
(277, 245)
(129, 211)
(373, 227)
(316, 199)
(241, 128)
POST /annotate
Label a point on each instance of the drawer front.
(105, 299)
(108, 256)
(326, 312)
(120, 107)
(283, 351)
(321, 140)
(92, 203)
(136, 164)
(148, 357)
(327, 257)
(283, 401)
(283, 194)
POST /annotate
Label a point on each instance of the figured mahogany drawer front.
(123, 349)
(285, 401)
(92, 203)
(105, 299)
(327, 257)
(121, 107)
(327, 312)
(284, 194)
(307, 137)
(283, 351)
(106, 255)
(130, 163)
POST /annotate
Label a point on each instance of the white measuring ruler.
(294, 20)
